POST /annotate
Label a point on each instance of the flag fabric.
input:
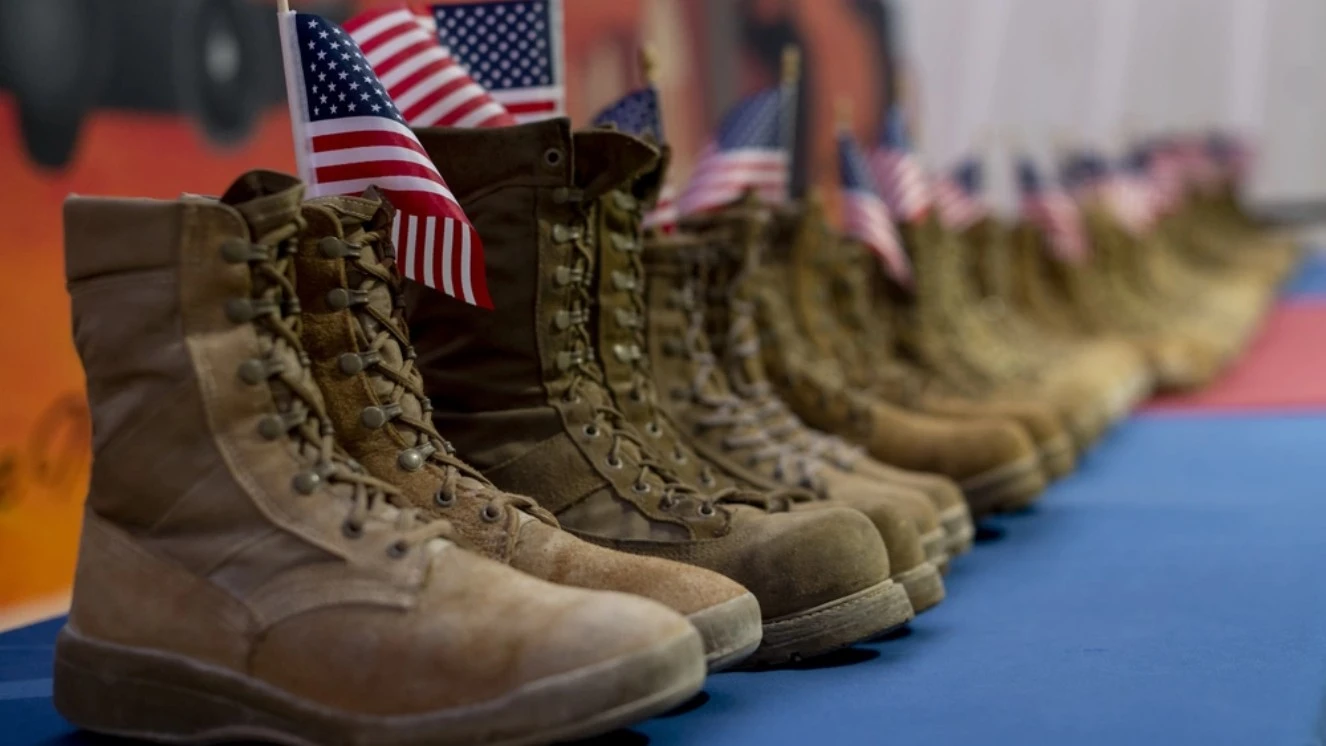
(1166, 175)
(957, 196)
(513, 48)
(1049, 208)
(639, 113)
(865, 216)
(1091, 177)
(423, 79)
(1233, 154)
(350, 136)
(1200, 171)
(902, 181)
(747, 153)
(636, 113)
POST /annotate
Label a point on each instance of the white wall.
(995, 74)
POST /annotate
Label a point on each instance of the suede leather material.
(815, 386)
(197, 544)
(543, 267)
(530, 542)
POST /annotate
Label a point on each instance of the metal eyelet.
(613, 462)
(239, 251)
(332, 247)
(592, 430)
(624, 201)
(375, 417)
(653, 429)
(444, 499)
(563, 233)
(552, 157)
(678, 457)
(412, 459)
(624, 244)
(491, 513)
(352, 363)
(307, 482)
(256, 371)
(352, 530)
(707, 480)
(398, 549)
(340, 299)
(271, 427)
(705, 509)
(641, 488)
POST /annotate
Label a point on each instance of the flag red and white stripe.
(1058, 217)
(902, 183)
(866, 218)
(349, 137)
(957, 210)
(664, 215)
(427, 84)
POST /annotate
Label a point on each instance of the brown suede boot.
(811, 252)
(239, 578)
(994, 461)
(743, 455)
(355, 333)
(521, 393)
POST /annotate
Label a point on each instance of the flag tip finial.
(649, 63)
(791, 63)
(283, 6)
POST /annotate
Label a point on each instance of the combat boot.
(355, 334)
(731, 434)
(523, 397)
(810, 249)
(239, 578)
(1095, 380)
(994, 462)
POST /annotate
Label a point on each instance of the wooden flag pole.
(283, 6)
(649, 64)
(791, 77)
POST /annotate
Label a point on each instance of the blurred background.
(158, 97)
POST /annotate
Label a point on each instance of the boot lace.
(587, 380)
(389, 359)
(273, 309)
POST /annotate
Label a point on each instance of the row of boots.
(329, 506)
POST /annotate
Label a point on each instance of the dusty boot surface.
(523, 396)
(356, 336)
(240, 578)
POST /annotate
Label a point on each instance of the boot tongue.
(268, 200)
(606, 159)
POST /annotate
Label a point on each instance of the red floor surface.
(1284, 368)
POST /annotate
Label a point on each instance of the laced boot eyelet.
(613, 462)
(490, 513)
(352, 530)
(398, 550)
(339, 299)
(705, 510)
(592, 430)
(653, 429)
(307, 482)
(552, 157)
(256, 371)
(444, 499)
(332, 247)
(240, 251)
(678, 457)
(376, 417)
(641, 487)
(707, 479)
(667, 502)
(351, 363)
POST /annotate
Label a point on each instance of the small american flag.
(901, 179)
(1091, 177)
(958, 196)
(1166, 173)
(426, 83)
(1235, 155)
(349, 136)
(1048, 207)
(638, 113)
(513, 48)
(865, 216)
(748, 152)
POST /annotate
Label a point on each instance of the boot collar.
(267, 199)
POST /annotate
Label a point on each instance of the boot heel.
(120, 691)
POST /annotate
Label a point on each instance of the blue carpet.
(1169, 593)
(1311, 278)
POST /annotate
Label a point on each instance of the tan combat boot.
(994, 461)
(521, 393)
(239, 578)
(938, 311)
(355, 333)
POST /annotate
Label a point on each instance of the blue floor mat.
(1310, 281)
(1169, 593)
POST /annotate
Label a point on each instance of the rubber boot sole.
(959, 530)
(924, 584)
(155, 696)
(865, 614)
(1058, 456)
(731, 631)
(1012, 486)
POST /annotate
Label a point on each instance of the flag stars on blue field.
(340, 82)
